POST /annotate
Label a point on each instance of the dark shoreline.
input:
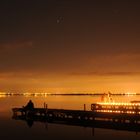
(66, 94)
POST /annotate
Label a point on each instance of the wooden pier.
(93, 119)
(113, 112)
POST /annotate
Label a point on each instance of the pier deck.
(78, 115)
(121, 116)
(119, 121)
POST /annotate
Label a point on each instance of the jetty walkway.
(126, 113)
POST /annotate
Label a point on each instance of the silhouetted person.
(28, 109)
(29, 105)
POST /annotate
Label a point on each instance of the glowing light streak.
(118, 104)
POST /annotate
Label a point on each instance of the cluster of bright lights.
(128, 93)
(26, 94)
(3, 94)
(35, 94)
(119, 104)
(112, 107)
(111, 111)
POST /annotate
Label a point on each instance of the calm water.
(17, 129)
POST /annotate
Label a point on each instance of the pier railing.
(125, 108)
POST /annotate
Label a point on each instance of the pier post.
(44, 105)
(45, 109)
(84, 107)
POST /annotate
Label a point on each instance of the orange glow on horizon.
(71, 84)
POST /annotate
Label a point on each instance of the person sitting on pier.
(29, 105)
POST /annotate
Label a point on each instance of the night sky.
(70, 46)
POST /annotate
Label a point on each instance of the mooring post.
(84, 107)
(44, 105)
(45, 109)
(93, 131)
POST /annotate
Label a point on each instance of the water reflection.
(30, 122)
(26, 128)
(104, 124)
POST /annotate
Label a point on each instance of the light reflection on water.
(20, 130)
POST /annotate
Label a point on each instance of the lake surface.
(18, 129)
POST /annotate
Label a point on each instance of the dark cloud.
(82, 37)
(15, 46)
(106, 74)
